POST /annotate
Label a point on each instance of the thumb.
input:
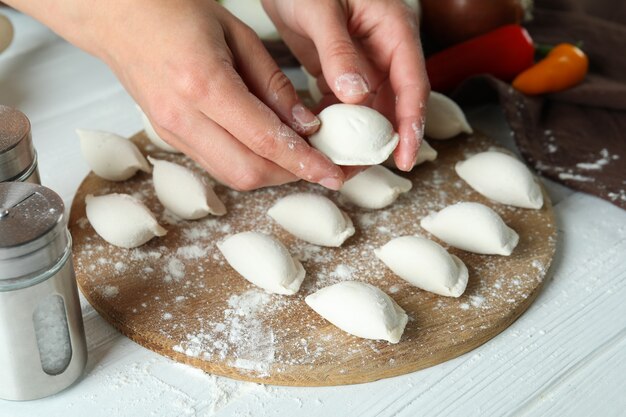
(339, 58)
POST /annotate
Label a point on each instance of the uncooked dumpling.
(111, 156)
(473, 227)
(425, 153)
(375, 188)
(153, 135)
(6, 32)
(252, 13)
(313, 218)
(264, 261)
(183, 192)
(360, 309)
(122, 220)
(311, 83)
(444, 118)
(350, 134)
(425, 264)
(502, 178)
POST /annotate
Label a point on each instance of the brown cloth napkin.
(578, 136)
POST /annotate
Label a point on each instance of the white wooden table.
(566, 356)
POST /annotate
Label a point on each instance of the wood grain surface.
(177, 296)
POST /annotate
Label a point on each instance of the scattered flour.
(605, 158)
(109, 291)
(191, 252)
(575, 177)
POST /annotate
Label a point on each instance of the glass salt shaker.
(18, 158)
(42, 339)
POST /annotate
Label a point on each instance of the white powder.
(175, 269)
(120, 267)
(477, 301)
(242, 335)
(191, 252)
(343, 272)
(575, 177)
(605, 158)
(53, 339)
(110, 291)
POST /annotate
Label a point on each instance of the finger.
(410, 84)
(221, 155)
(231, 105)
(340, 59)
(266, 81)
(353, 171)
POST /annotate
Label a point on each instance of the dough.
(502, 178)
(444, 118)
(264, 261)
(183, 192)
(122, 220)
(425, 153)
(354, 135)
(360, 309)
(311, 83)
(425, 264)
(6, 32)
(153, 136)
(312, 218)
(111, 156)
(375, 188)
(252, 13)
(473, 227)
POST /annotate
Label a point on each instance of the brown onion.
(447, 22)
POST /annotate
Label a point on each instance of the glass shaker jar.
(18, 158)
(42, 339)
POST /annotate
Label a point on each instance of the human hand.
(206, 82)
(368, 51)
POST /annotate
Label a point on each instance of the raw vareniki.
(312, 218)
(111, 156)
(375, 188)
(472, 227)
(264, 261)
(354, 135)
(122, 220)
(444, 118)
(360, 309)
(502, 178)
(425, 264)
(153, 136)
(183, 192)
(425, 153)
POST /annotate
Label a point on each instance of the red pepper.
(503, 53)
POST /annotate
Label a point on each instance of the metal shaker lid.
(16, 146)
(33, 234)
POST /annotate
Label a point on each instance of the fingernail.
(351, 84)
(332, 183)
(304, 120)
(407, 163)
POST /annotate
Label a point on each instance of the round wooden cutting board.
(177, 296)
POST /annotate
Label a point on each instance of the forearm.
(77, 21)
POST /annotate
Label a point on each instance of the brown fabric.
(577, 137)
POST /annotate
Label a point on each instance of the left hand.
(362, 52)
